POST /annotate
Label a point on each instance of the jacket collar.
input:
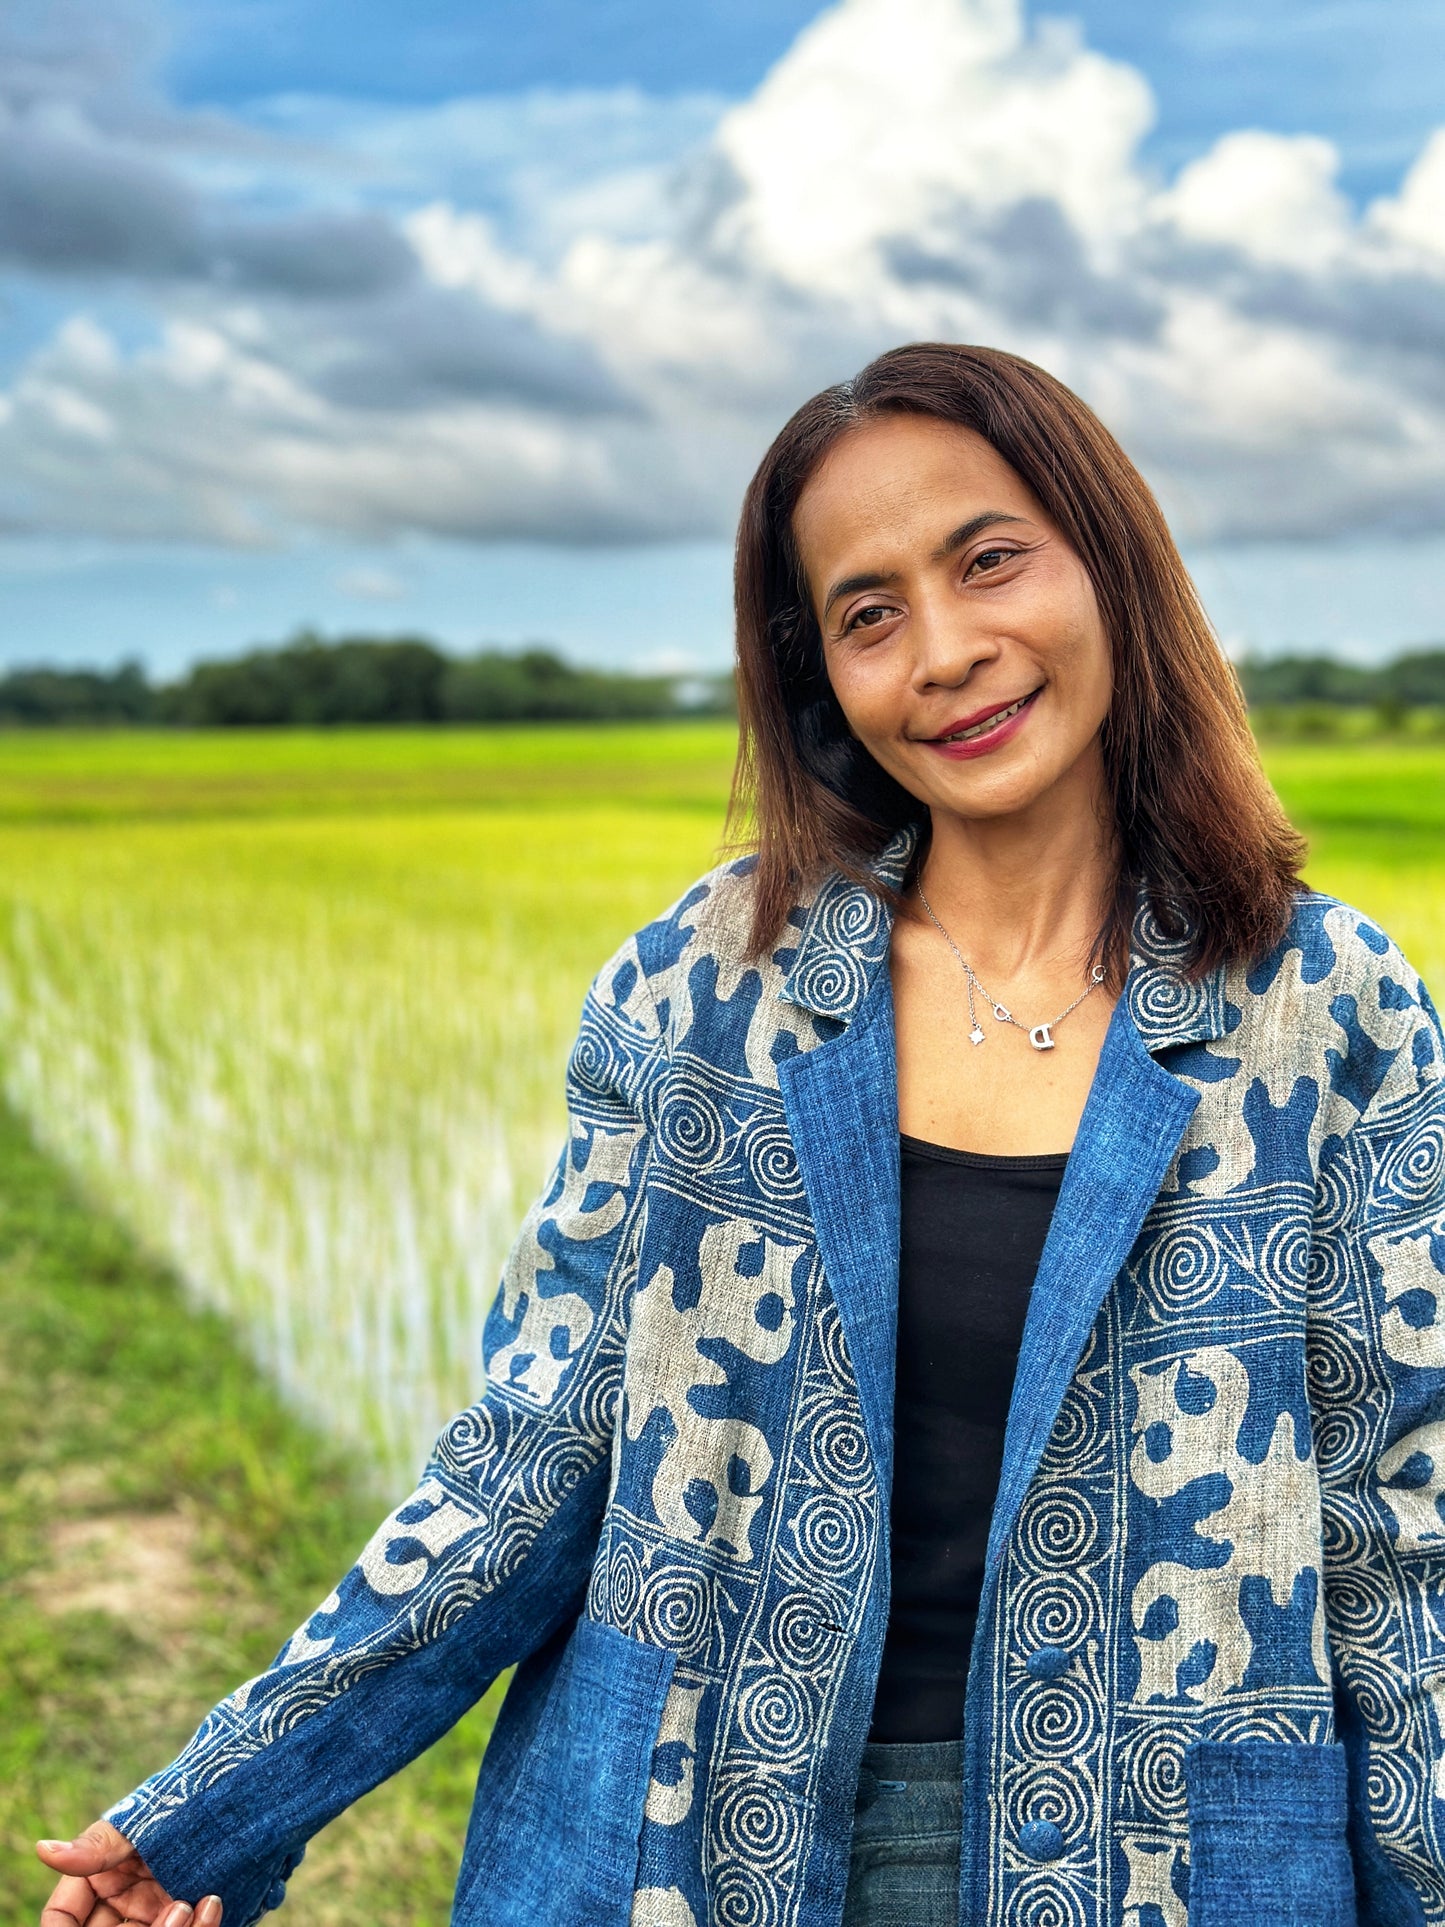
(845, 943)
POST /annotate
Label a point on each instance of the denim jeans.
(906, 1828)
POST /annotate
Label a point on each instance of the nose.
(947, 643)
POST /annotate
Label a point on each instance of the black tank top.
(972, 1231)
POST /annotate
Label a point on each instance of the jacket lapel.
(841, 1101)
(1134, 1118)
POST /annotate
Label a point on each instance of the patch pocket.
(1267, 1835)
(563, 1852)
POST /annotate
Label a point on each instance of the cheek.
(866, 691)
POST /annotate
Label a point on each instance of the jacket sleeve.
(486, 1558)
(1377, 1369)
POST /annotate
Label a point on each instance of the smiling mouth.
(989, 723)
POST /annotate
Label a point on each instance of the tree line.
(310, 681)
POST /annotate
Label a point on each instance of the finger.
(135, 1882)
(70, 1903)
(101, 1846)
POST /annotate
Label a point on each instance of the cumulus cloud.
(357, 353)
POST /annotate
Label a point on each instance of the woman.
(1150, 1628)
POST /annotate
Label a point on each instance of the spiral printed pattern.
(1057, 1527)
(775, 1716)
(1413, 1170)
(747, 1899)
(1376, 1691)
(1046, 1899)
(1055, 1792)
(1185, 1268)
(1152, 1765)
(1334, 1367)
(757, 1821)
(837, 1449)
(833, 1348)
(690, 1127)
(1053, 1721)
(1158, 1000)
(624, 1586)
(1061, 1610)
(772, 1164)
(1284, 1260)
(799, 1635)
(1344, 1439)
(1339, 1194)
(1392, 1789)
(1075, 1442)
(1360, 1604)
(830, 983)
(676, 1611)
(832, 1532)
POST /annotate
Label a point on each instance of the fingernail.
(55, 1846)
(178, 1915)
(210, 1911)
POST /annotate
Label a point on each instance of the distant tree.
(358, 679)
(40, 695)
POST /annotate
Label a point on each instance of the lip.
(991, 739)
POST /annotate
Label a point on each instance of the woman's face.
(960, 629)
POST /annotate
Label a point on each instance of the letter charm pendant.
(1042, 1037)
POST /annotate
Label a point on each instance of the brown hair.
(1196, 820)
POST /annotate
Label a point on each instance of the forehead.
(899, 480)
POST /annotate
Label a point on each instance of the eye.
(869, 616)
(987, 560)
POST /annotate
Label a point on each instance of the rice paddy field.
(283, 1019)
(294, 1007)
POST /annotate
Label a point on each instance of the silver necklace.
(1041, 1036)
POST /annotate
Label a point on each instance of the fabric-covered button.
(1048, 1662)
(1041, 1839)
(275, 1895)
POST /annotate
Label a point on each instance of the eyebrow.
(950, 545)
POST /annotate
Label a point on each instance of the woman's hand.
(106, 1883)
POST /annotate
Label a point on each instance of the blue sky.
(472, 321)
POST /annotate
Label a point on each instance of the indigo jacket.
(1208, 1681)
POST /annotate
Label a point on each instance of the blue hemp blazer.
(1208, 1684)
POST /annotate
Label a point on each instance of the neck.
(1030, 889)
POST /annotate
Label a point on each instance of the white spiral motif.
(1334, 1367)
(1057, 1527)
(1413, 1170)
(1077, 1436)
(758, 1821)
(1339, 1193)
(1360, 1604)
(1347, 1536)
(596, 1064)
(774, 1715)
(471, 1435)
(1054, 1792)
(1185, 1268)
(772, 1163)
(1285, 1257)
(1046, 1899)
(1153, 1767)
(1160, 999)
(690, 1127)
(832, 1532)
(848, 916)
(624, 1586)
(1329, 1278)
(833, 1347)
(799, 1635)
(1392, 1789)
(746, 1898)
(677, 1611)
(1060, 1610)
(831, 982)
(1053, 1720)
(1375, 1688)
(1344, 1439)
(837, 1448)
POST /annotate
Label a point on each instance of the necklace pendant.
(975, 1036)
(1042, 1037)
(1003, 1013)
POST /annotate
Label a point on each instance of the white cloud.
(511, 342)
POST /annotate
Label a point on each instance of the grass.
(164, 1521)
(293, 1008)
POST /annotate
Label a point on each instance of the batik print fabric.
(1208, 1685)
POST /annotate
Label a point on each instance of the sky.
(473, 321)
